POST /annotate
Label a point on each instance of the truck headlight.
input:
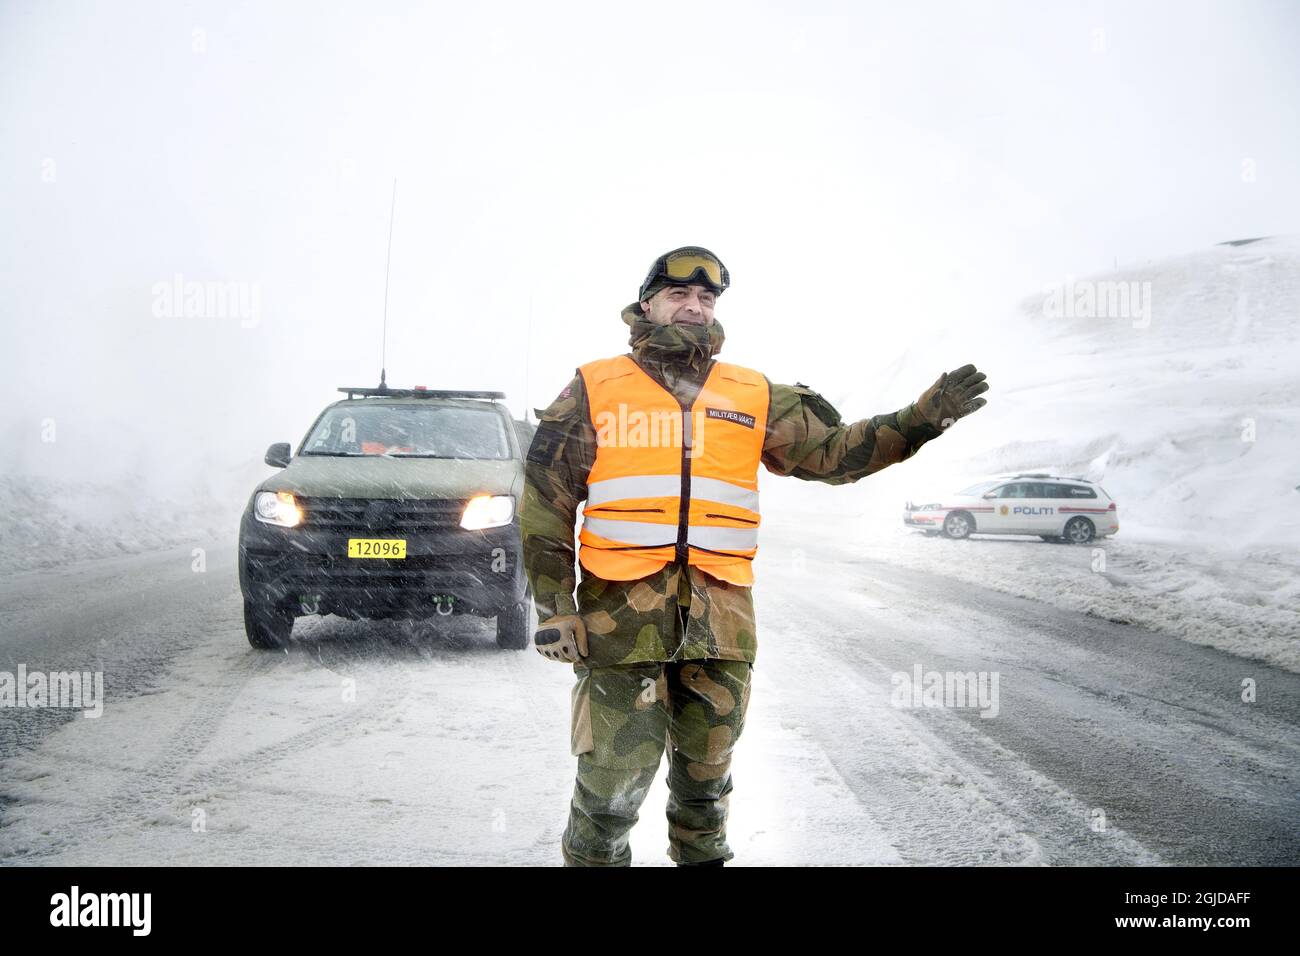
(487, 511)
(277, 507)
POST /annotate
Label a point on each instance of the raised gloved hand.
(562, 638)
(953, 396)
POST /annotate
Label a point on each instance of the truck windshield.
(409, 431)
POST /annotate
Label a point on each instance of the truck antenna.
(383, 353)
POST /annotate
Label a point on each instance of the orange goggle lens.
(685, 265)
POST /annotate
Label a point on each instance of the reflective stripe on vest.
(668, 486)
(643, 533)
(648, 457)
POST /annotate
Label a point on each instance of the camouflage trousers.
(622, 718)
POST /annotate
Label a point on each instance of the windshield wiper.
(448, 457)
(338, 454)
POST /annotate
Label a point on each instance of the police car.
(397, 503)
(1052, 507)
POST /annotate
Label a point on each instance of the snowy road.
(399, 743)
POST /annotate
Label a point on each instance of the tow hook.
(443, 603)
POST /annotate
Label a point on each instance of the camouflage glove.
(562, 638)
(953, 396)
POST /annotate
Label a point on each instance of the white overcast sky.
(872, 173)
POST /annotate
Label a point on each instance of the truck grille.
(381, 515)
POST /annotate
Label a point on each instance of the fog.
(874, 177)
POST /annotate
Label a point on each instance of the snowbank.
(47, 522)
(1245, 602)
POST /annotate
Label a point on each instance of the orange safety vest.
(671, 482)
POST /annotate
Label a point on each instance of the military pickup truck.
(397, 503)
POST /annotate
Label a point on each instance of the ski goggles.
(686, 265)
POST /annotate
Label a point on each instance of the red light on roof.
(421, 388)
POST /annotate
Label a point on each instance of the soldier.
(663, 444)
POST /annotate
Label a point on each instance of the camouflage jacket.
(633, 621)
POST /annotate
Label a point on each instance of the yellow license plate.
(376, 547)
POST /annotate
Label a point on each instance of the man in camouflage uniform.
(669, 657)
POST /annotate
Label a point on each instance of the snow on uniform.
(647, 629)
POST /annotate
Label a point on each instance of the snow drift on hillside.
(1189, 415)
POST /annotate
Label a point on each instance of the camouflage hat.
(683, 266)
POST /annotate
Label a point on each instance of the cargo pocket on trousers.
(580, 730)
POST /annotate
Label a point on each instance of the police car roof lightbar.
(419, 392)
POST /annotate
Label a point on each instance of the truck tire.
(513, 626)
(268, 628)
